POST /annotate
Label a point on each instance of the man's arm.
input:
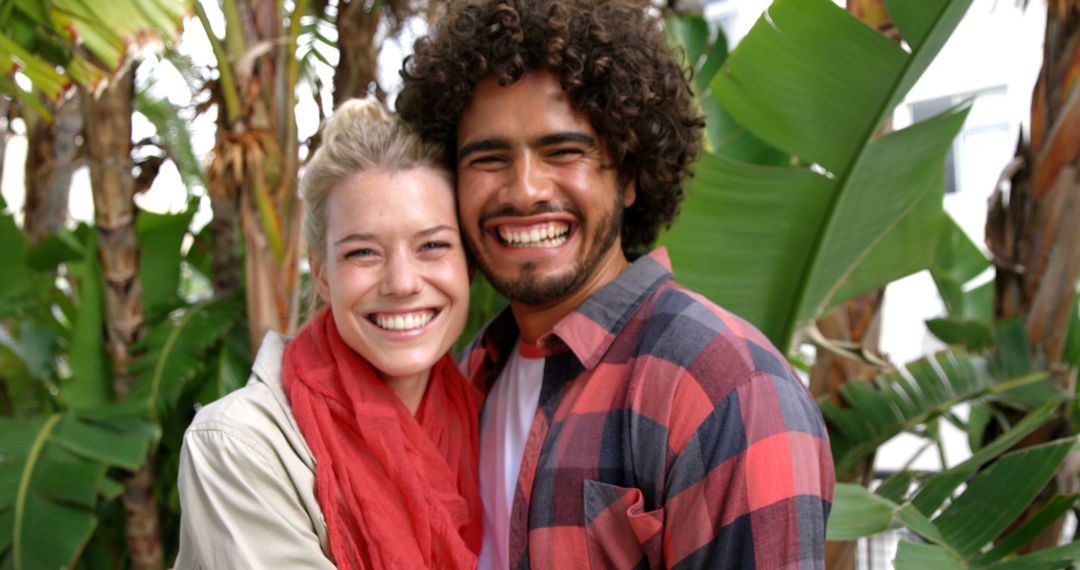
(753, 481)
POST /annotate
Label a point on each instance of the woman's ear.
(318, 277)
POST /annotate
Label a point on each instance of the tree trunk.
(51, 154)
(358, 53)
(1032, 232)
(107, 140)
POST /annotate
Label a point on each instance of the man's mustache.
(542, 208)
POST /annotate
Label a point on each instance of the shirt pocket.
(619, 531)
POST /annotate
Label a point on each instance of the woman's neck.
(409, 389)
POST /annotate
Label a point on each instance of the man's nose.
(401, 277)
(530, 183)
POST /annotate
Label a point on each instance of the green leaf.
(110, 489)
(54, 249)
(856, 512)
(16, 286)
(978, 420)
(175, 351)
(691, 33)
(52, 535)
(982, 511)
(100, 443)
(484, 303)
(901, 400)
(814, 82)
(913, 556)
(160, 237)
(717, 53)
(896, 488)
(69, 482)
(1012, 355)
(724, 248)
(1054, 509)
(972, 335)
(172, 130)
(92, 374)
(1064, 556)
(957, 261)
(1071, 352)
(941, 486)
(828, 53)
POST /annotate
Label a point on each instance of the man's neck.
(535, 321)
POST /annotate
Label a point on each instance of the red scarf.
(397, 490)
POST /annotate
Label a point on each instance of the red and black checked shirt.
(669, 433)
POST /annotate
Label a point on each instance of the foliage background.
(805, 206)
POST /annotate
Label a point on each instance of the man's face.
(540, 206)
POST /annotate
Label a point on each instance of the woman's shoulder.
(257, 415)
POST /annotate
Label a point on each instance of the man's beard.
(529, 289)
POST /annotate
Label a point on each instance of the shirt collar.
(590, 329)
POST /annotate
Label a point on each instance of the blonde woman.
(353, 445)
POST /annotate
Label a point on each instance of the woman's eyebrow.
(355, 237)
(434, 230)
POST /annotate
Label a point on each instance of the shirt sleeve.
(752, 486)
(239, 509)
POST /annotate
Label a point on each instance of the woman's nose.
(401, 277)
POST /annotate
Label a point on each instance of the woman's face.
(394, 273)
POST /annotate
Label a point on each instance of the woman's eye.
(359, 253)
(435, 245)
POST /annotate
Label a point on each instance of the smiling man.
(629, 421)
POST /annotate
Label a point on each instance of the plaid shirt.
(668, 433)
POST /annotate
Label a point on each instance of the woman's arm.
(239, 507)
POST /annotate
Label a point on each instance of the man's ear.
(629, 191)
(318, 278)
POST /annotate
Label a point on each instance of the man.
(629, 421)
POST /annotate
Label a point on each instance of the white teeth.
(547, 235)
(407, 322)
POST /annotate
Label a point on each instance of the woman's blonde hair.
(361, 136)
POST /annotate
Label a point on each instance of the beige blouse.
(247, 480)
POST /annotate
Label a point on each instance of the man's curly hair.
(614, 65)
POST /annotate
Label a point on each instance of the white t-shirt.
(504, 427)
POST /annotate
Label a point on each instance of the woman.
(355, 443)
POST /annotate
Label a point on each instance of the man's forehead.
(531, 107)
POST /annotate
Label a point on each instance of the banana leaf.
(176, 349)
(52, 474)
(781, 245)
(160, 237)
(959, 536)
(911, 396)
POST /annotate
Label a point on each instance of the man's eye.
(488, 161)
(565, 153)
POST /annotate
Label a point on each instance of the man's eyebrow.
(567, 137)
(482, 145)
(355, 237)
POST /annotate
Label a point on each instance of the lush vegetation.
(112, 332)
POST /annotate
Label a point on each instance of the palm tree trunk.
(1033, 235)
(107, 140)
(357, 65)
(50, 162)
